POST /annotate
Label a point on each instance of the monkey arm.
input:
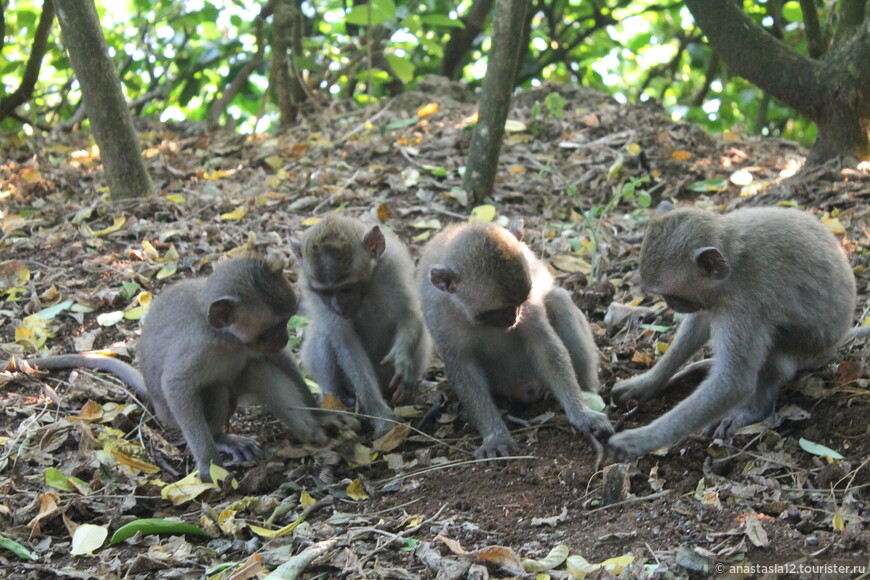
(354, 362)
(553, 363)
(403, 355)
(469, 382)
(732, 382)
(694, 332)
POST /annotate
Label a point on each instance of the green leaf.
(792, 12)
(402, 67)
(57, 479)
(593, 401)
(52, 311)
(818, 449)
(441, 20)
(153, 526)
(709, 185)
(17, 549)
(167, 270)
(381, 11)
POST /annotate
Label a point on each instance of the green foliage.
(183, 55)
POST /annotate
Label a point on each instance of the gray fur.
(373, 342)
(477, 268)
(785, 303)
(194, 373)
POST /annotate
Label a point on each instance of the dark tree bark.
(833, 90)
(104, 100)
(34, 62)
(284, 78)
(495, 98)
(462, 39)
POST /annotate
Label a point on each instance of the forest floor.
(76, 449)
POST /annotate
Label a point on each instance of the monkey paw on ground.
(593, 423)
(496, 445)
(238, 447)
(404, 371)
(632, 443)
(639, 388)
(733, 421)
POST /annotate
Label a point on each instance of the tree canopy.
(221, 61)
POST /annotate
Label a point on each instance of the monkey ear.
(516, 227)
(444, 278)
(374, 242)
(712, 263)
(296, 246)
(664, 207)
(222, 312)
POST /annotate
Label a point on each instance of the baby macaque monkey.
(770, 287)
(503, 328)
(366, 337)
(205, 343)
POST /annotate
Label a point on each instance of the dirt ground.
(424, 509)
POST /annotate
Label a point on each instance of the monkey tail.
(100, 362)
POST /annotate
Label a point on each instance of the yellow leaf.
(144, 298)
(482, 213)
(274, 162)
(555, 558)
(429, 109)
(392, 438)
(30, 175)
(91, 412)
(570, 263)
(311, 221)
(514, 126)
(633, 149)
(516, 169)
(133, 463)
(185, 489)
(356, 491)
(305, 500)
(134, 313)
(236, 214)
(266, 533)
(681, 155)
(332, 403)
(117, 222)
(175, 198)
(837, 522)
(150, 250)
(617, 564)
(834, 225)
(87, 538)
(215, 175)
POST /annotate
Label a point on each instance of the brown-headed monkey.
(770, 288)
(502, 327)
(366, 337)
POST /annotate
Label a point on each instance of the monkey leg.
(732, 382)
(320, 361)
(693, 334)
(778, 369)
(277, 385)
(189, 411)
(219, 405)
(576, 334)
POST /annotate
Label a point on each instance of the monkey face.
(500, 317)
(344, 301)
(682, 305)
(273, 339)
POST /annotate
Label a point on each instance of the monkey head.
(249, 298)
(485, 274)
(683, 258)
(338, 264)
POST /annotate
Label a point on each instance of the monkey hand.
(335, 424)
(239, 448)
(404, 374)
(498, 444)
(639, 388)
(592, 422)
(633, 443)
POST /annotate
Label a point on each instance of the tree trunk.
(112, 125)
(833, 91)
(495, 98)
(462, 39)
(24, 92)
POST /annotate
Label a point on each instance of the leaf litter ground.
(422, 509)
